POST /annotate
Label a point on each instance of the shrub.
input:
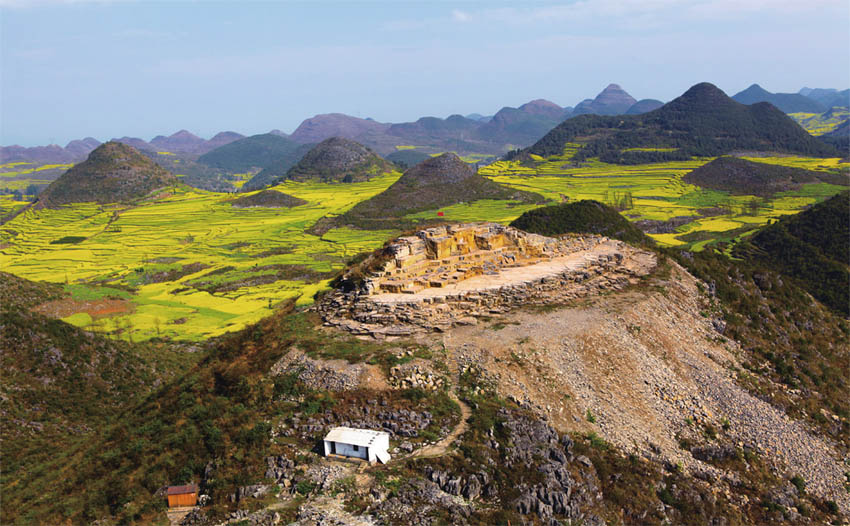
(799, 483)
(305, 487)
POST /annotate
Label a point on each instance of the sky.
(110, 68)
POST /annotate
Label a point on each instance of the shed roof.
(182, 490)
(356, 437)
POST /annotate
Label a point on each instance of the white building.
(358, 443)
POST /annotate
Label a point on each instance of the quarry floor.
(508, 276)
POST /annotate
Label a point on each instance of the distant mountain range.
(475, 133)
(205, 161)
(181, 142)
(787, 102)
(828, 97)
(807, 100)
(703, 121)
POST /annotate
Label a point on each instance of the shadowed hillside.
(743, 177)
(112, 173)
(523, 125)
(644, 106)
(582, 217)
(407, 158)
(268, 199)
(256, 151)
(435, 183)
(787, 102)
(338, 159)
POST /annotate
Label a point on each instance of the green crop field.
(189, 266)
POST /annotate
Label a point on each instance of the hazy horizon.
(107, 69)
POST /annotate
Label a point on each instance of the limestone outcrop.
(439, 256)
(456, 274)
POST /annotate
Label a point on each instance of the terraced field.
(820, 123)
(656, 192)
(189, 266)
(195, 265)
(19, 175)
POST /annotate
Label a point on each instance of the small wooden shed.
(180, 496)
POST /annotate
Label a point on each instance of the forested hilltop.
(702, 122)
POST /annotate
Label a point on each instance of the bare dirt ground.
(442, 447)
(176, 515)
(638, 368)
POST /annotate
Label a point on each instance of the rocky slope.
(643, 371)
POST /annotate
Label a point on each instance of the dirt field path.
(176, 515)
(440, 448)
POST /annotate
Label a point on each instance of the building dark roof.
(182, 490)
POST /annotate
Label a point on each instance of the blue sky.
(106, 69)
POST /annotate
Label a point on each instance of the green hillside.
(812, 247)
(61, 386)
(701, 122)
(582, 217)
(218, 413)
(113, 172)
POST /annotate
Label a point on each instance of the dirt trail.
(176, 515)
(440, 448)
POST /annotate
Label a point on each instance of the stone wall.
(436, 257)
(367, 312)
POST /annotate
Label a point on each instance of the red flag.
(440, 214)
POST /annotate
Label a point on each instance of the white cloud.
(460, 16)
